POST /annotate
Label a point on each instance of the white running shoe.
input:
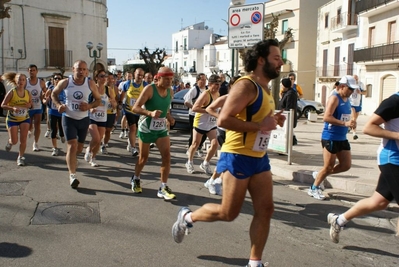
(8, 146)
(21, 161)
(314, 175)
(55, 152)
(316, 193)
(135, 152)
(121, 135)
(152, 145)
(88, 155)
(47, 134)
(125, 135)
(104, 150)
(63, 139)
(29, 134)
(73, 181)
(206, 168)
(210, 184)
(180, 227)
(199, 153)
(93, 162)
(190, 167)
(335, 228)
(35, 147)
(129, 147)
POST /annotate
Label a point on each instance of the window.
(338, 16)
(284, 55)
(325, 60)
(56, 46)
(326, 20)
(371, 36)
(185, 44)
(391, 31)
(185, 64)
(351, 49)
(336, 61)
(284, 26)
(177, 46)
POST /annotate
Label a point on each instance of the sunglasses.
(102, 76)
(57, 78)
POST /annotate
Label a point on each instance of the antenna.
(181, 26)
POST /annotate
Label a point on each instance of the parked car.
(305, 106)
(178, 110)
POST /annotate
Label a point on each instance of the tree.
(153, 60)
(4, 12)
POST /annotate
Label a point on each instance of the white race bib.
(20, 113)
(36, 103)
(132, 102)
(158, 124)
(74, 105)
(261, 141)
(346, 117)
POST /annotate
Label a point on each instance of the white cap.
(349, 81)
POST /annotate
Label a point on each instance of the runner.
(111, 91)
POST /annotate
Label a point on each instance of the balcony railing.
(58, 58)
(344, 22)
(382, 52)
(366, 5)
(335, 70)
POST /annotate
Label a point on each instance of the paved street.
(43, 222)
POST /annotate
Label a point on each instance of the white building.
(359, 37)
(52, 34)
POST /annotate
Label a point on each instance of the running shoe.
(55, 152)
(73, 181)
(180, 227)
(134, 152)
(29, 134)
(93, 162)
(8, 146)
(125, 135)
(152, 145)
(47, 134)
(104, 149)
(316, 193)
(136, 186)
(88, 155)
(166, 193)
(355, 137)
(62, 139)
(259, 265)
(121, 135)
(210, 184)
(200, 154)
(335, 228)
(206, 168)
(190, 167)
(21, 161)
(35, 147)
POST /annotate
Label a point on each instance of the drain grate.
(66, 213)
(16, 188)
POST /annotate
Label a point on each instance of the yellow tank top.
(132, 95)
(22, 114)
(205, 121)
(253, 144)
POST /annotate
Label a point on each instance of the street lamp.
(94, 55)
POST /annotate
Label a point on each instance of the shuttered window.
(388, 86)
(56, 47)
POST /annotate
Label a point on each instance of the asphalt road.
(104, 224)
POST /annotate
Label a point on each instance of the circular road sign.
(235, 19)
(256, 17)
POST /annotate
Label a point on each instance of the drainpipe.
(2, 47)
(23, 52)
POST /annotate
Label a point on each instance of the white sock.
(254, 263)
(163, 185)
(187, 218)
(341, 220)
(136, 177)
(206, 162)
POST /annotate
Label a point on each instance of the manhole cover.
(16, 188)
(66, 213)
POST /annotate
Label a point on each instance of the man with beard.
(248, 117)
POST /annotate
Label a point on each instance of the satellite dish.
(206, 27)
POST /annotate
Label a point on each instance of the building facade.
(52, 35)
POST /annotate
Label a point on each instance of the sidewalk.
(307, 157)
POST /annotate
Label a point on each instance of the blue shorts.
(16, 123)
(241, 166)
(35, 111)
(357, 109)
(98, 123)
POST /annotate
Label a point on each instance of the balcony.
(344, 22)
(335, 71)
(58, 58)
(368, 8)
(377, 53)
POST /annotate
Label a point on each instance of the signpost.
(245, 25)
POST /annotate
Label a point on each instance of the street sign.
(245, 25)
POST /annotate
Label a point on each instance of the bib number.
(20, 113)
(158, 124)
(212, 119)
(132, 102)
(75, 106)
(261, 141)
(345, 117)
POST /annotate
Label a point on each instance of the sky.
(133, 25)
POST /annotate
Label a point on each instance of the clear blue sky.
(135, 24)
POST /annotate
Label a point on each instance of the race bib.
(132, 102)
(74, 106)
(158, 124)
(212, 119)
(20, 113)
(346, 117)
(99, 114)
(36, 103)
(261, 141)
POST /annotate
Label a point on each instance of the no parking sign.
(245, 25)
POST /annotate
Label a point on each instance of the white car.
(305, 106)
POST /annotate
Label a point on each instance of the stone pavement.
(307, 157)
